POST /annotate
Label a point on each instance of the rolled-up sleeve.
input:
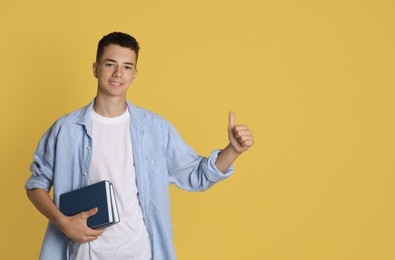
(42, 167)
(213, 174)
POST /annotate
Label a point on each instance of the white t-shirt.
(112, 159)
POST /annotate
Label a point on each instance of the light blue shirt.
(161, 157)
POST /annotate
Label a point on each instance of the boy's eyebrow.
(127, 63)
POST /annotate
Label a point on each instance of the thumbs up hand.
(240, 136)
(240, 140)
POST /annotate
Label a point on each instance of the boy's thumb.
(232, 119)
(93, 211)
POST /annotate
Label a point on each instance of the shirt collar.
(85, 116)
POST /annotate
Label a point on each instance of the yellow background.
(314, 80)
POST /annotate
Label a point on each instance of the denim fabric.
(62, 161)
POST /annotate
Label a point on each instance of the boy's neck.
(110, 107)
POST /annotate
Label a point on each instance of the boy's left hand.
(240, 136)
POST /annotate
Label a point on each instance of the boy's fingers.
(95, 232)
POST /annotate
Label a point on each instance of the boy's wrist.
(231, 150)
(59, 219)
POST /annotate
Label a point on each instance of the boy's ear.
(94, 67)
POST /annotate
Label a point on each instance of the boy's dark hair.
(118, 38)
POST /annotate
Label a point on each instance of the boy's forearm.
(226, 158)
(43, 202)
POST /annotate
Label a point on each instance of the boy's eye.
(109, 64)
(128, 67)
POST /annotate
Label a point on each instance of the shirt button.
(84, 173)
(88, 148)
(152, 162)
(141, 132)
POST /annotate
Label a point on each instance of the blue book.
(100, 195)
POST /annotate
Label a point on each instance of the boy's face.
(115, 71)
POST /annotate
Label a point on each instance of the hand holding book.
(89, 208)
(75, 227)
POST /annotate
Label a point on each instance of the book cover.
(100, 195)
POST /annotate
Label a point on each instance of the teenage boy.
(137, 150)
